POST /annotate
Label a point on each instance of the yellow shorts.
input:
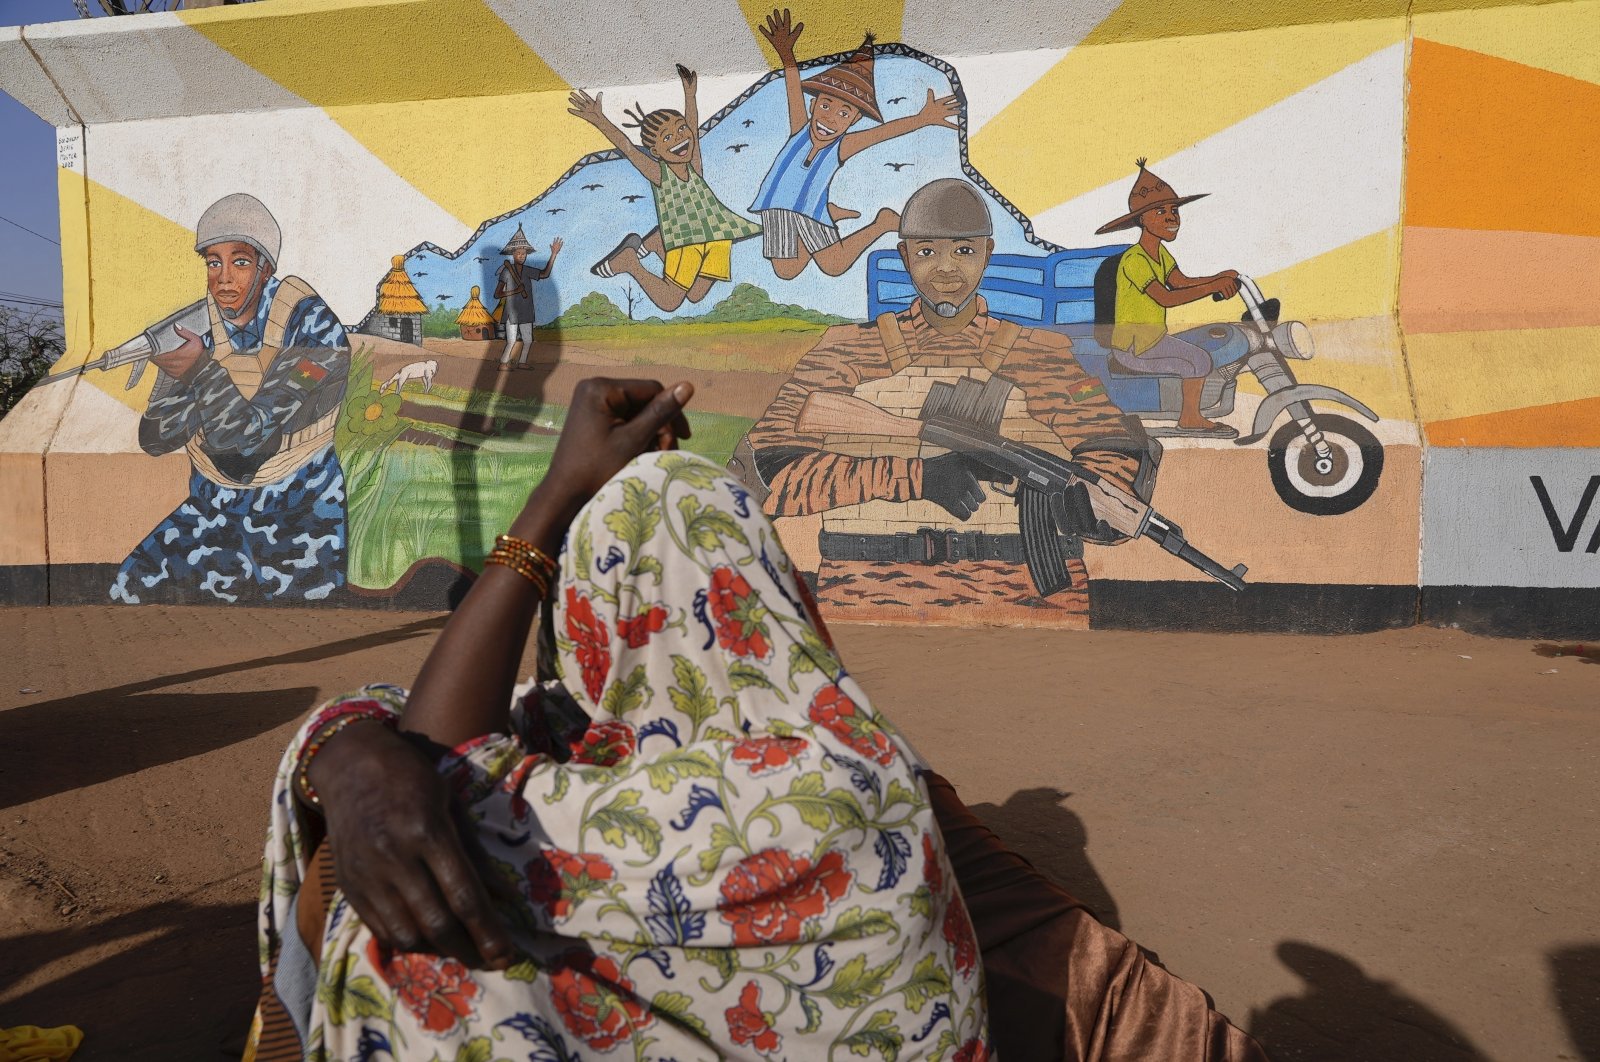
(692, 261)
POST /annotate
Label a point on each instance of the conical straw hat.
(519, 242)
(850, 80)
(1149, 192)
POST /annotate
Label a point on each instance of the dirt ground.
(1372, 847)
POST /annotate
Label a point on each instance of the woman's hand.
(609, 423)
(396, 853)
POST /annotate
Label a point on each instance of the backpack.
(1105, 298)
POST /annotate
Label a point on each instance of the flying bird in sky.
(897, 99)
(898, 166)
(748, 122)
(480, 258)
(556, 210)
(632, 198)
(592, 187)
(736, 148)
(419, 274)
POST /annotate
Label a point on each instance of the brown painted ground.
(1371, 847)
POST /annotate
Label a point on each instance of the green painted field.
(409, 501)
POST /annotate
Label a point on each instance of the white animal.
(417, 370)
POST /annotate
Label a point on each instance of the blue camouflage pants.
(279, 543)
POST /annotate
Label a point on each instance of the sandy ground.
(1373, 847)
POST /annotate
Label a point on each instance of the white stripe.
(1290, 182)
(960, 27)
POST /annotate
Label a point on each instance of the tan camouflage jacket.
(805, 478)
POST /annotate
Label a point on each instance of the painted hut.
(400, 308)
(474, 320)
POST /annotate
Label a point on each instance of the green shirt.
(1141, 321)
(690, 212)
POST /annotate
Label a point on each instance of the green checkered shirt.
(690, 212)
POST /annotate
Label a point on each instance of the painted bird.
(632, 198)
(419, 274)
(736, 148)
(748, 122)
(898, 166)
(480, 258)
(897, 99)
(556, 210)
(592, 187)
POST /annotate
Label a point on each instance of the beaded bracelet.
(533, 575)
(314, 746)
(526, 550)
(524, 558)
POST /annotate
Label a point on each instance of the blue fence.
(1055, 291)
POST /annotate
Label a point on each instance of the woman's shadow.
(1036, 824)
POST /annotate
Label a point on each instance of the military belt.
(930, 545)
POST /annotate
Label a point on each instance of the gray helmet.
(240, 218)
(946, 209)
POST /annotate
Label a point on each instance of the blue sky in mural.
(591, 222)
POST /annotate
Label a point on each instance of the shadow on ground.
(1575, 973)
(1036, 824)
(93, 737)
(1344, 1014)
(185, 990)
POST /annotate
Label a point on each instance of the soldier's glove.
(951, 481)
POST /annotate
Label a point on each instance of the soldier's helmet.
(240, 218)
(946, 209)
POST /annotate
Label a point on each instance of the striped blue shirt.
(793, 184)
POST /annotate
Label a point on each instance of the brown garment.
(986, 592)
(1061, 986)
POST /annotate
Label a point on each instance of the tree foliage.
(29, 343)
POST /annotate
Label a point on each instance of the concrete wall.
(1414, 182)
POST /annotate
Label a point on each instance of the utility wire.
(29, 231)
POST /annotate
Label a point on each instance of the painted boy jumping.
(696, 231)
(800, 225)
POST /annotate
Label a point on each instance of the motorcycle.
(1320, 463)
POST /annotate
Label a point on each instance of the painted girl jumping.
(696, 231)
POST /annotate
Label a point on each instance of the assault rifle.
(159, 338)
(1042, 478)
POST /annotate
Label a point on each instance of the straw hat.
(850, 80)
(1149, 192)
(519, 242)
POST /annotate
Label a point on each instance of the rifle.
(159, 338)
(1042, 478)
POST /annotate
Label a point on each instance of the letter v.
(1567, 537)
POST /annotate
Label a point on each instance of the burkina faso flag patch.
(308, 373)
(1086, 389)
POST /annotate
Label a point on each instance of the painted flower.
(768, 897)
(559, 880)
(605, 744)
(764, 755)
(596, 1002)
(749, 1025)
(439, 992)
(588, 632)
(739, 615)
(833, 709)
(932, 868)
(637, 631)
(958, 934)
(972, 1051)
(372, 417)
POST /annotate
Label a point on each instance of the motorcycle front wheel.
(1327, 488)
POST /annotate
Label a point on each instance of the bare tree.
(630, 293)
(139, 7)
(29, 342)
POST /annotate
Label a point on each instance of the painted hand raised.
(586, 106)
(781, 34)
(941, 110)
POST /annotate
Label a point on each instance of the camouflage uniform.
(871, 486)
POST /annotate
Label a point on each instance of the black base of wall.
(1300, 608)
(1515, 611)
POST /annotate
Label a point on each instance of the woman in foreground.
(701, 842)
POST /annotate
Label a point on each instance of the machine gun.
(948, 419)
(159, 338)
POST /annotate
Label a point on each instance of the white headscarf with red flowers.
(738, 858)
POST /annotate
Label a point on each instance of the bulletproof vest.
(912, 375)
(247, 369)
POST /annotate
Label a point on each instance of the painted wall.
(1414, 188)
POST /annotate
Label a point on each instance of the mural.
(986, 403)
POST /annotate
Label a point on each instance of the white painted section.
(1290, 182)
(117, 69)
(992, 82)
(22, 78)
(343, 212)
(1483, 523)
(28, 428)
(634, 40)
(96, 423)
(957, 27)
